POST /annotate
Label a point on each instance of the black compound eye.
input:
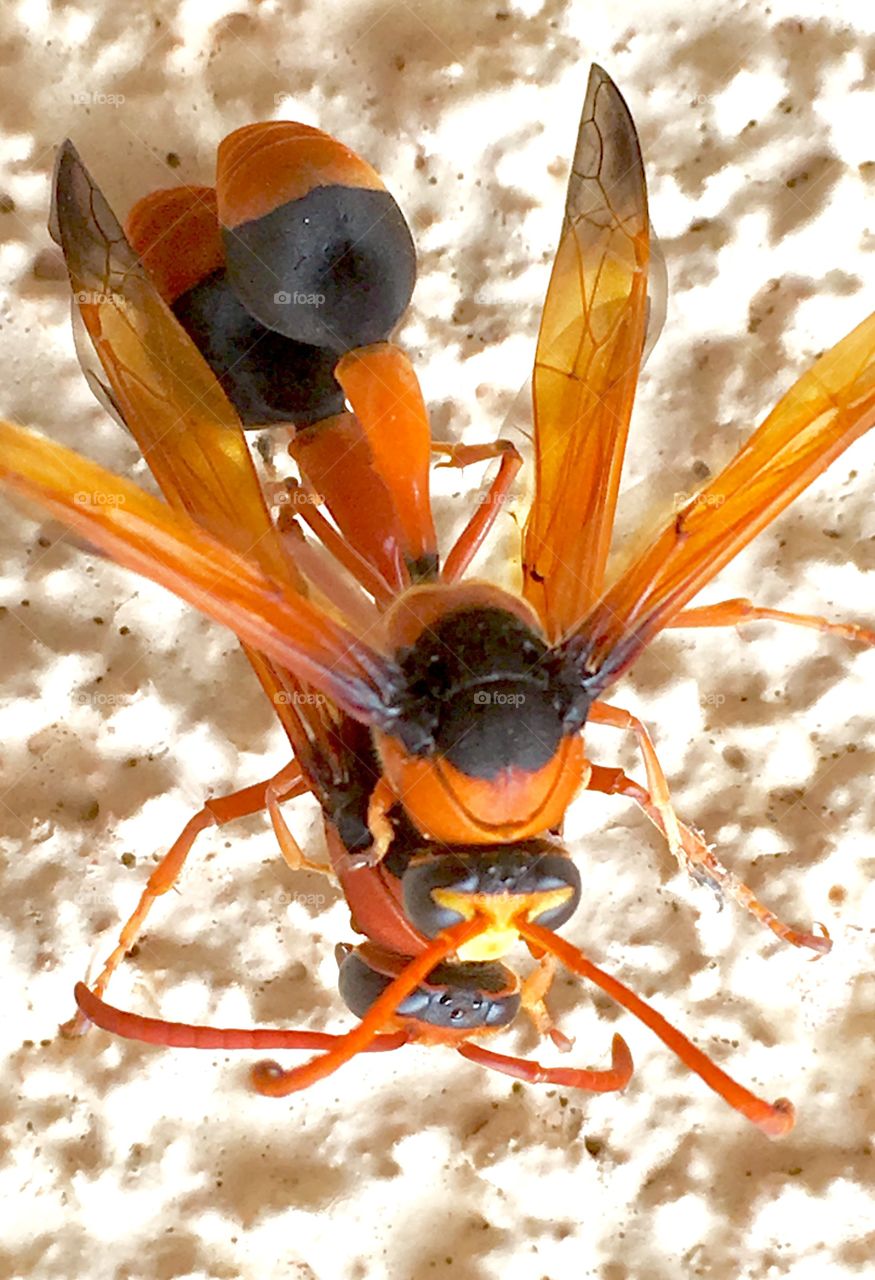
(540, 875)
(462, 1004)
(463, 997)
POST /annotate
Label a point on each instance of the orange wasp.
(475, 698)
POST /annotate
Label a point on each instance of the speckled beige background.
(121, 709)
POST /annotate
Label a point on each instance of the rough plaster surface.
(121, 709)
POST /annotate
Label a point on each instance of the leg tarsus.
(657, 784)
(733, 613)
(533, 992)
(702, 864)
(617, 1076)
(382, 801)
(285, 785)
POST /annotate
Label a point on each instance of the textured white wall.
(121, 709)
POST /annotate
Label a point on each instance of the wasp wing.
(166, 394)
(144, 534)
(820, 416)
(589, 352)
(155, 380)
(197, 451)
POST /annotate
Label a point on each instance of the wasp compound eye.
(459, 997)
(534, 880)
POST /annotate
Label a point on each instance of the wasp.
(474, 698)
(401, 982)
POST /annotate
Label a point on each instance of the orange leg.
(382, 800)
(701, 862)
(240, 804)
(185, 1035)
(533, 994)
(301, 503)
(774, 1118)
(471, 538)
(731, 613)
(285, 785)
(657, 785)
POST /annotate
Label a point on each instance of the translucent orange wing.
(145, 535)
(159, 384)
(145, 369)
(827, 409)
(586, 365)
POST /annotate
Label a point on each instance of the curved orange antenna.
(270, 1079)
(774, 1118)
(617, 1076)
(184, 1035)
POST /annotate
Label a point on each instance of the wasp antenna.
(617, 1076)
(774, 1118)
(270, 1079)
(185, 1035)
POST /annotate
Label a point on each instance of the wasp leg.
(701, 862)
(216, 812)
(383, 800)
(731, 613)
(533, 992)
(301, 502)
(657, 784)
(617, 1076)
(471, 538)
(186, 1035)
(285, 785)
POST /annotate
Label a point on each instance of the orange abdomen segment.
(513, 805)
(263, 166)
(383, 389)
(176, 234)
(315, 246)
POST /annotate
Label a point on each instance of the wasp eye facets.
(535, 879)
(462, 996)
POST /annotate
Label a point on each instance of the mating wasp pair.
(438, 719)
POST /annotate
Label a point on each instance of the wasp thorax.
(484, 691)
